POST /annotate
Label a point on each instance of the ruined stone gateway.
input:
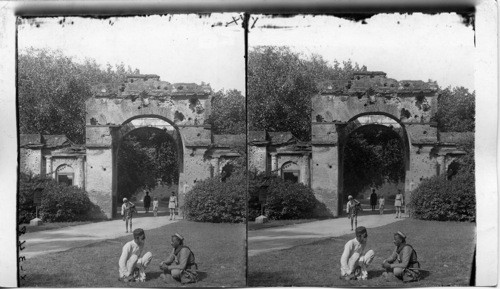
(110, 114)
(116, 109)
(336, 111)
(340, 109)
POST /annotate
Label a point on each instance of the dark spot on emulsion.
(319, 118)
(330, 166)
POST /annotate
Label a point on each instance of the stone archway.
(144, 128)
(109, 112)
(384, 125)
(412, 103)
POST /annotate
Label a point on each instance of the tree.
(280, 86)
(145, 157)
(52, 89)
(456, 110)
(228, 112)
(373, 155)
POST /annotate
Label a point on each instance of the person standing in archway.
(373, 199)
(398, 202)
(381, 204)
(147, 202)
(172, 205)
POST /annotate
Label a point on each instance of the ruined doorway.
(149, 156)
(373, 154)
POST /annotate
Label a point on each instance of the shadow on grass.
(156, 275)
(274, 279)
(47, 280)
(375, 273)
(372, 274)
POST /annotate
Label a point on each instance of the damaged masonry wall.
(412, 103)
(184, 105)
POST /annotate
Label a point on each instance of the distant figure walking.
(373, 199)
(352, 208)
(398, 202)
(128, 210)
(381, 204)
(155, 206)
(172, 205)
(147, 202)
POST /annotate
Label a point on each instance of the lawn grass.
(445, 249)
(219, 250)
(277, 223)
(50, 226)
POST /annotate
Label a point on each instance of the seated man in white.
(132, 265)
(354, 262)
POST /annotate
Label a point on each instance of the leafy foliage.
(284, 199)
(373, 155)
(448, 197)
(52, 89)
(214, 201)
(60, 203)
(145, 157)
(456, 110)
(440, 199)
(280, 86)
(228, 112)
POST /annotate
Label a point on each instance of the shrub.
(445, 200)
(285, 200)
(59, 202)
(214, 201)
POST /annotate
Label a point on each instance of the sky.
(407, 47)
(189, 48)
(178, 48)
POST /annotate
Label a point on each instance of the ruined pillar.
(48, 167)
(274, 163)
(216, 166)
(304, 173)
(80, 173)
(325, 165)
(99, 167)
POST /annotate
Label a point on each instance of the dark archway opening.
(373, 157)
(453, 169)
(147, 158)
(227, 171)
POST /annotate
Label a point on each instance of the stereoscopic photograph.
(361, 150)
(252, 150)
(131, 144)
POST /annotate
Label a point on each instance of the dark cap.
(138, 232)
(360, 231)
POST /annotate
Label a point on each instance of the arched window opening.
(290, 171)
(65, 174)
